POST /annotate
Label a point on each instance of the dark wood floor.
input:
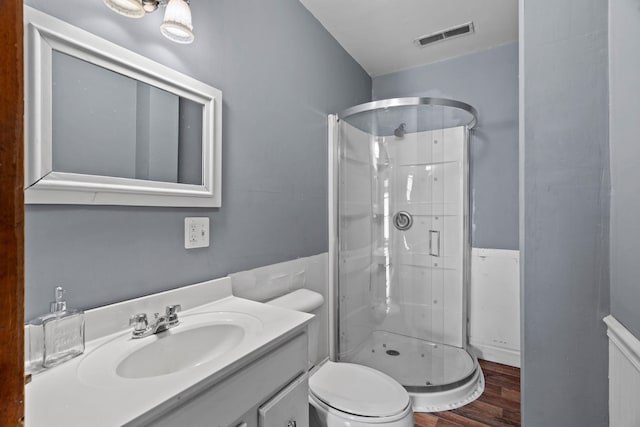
(499, 405)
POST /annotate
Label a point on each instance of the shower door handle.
(434, 243)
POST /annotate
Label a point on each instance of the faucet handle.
(139, 322)
(172, 310)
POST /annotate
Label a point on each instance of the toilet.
(347, 394)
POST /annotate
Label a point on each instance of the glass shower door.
(401, 246)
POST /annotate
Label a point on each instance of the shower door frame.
(335, 159)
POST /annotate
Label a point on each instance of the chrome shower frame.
(411, 102)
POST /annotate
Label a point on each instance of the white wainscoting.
(624, 375)
(494, 305)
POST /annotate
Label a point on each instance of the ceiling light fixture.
(150, 5)
(176, 25)
(128, 8)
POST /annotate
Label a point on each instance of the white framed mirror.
(106, 126)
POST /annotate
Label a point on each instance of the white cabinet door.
(289, 408)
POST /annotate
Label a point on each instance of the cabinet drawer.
(289, 408)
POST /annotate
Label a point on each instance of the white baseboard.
(624, 375)
(496, 354)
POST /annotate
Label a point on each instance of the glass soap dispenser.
(58, 335)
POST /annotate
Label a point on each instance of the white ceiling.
(379, 34)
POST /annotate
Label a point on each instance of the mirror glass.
(107, 124)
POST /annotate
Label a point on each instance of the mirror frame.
(44, 34)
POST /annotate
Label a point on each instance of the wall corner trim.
(624, 340)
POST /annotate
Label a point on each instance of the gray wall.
(280, 73)
(565, 196)
(488, 80)
(624, 42)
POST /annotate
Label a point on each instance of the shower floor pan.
(438, 377)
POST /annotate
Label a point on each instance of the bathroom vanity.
(274, 388)
(230, 362)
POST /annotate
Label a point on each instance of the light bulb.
(176, 25)
(128, 8)
(150, 5)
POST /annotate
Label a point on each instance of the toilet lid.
(358, 390)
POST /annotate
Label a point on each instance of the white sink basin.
(178, 349)
(199, 339)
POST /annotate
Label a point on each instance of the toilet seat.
(335, 418)
(359, 391)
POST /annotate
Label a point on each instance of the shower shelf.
(357, 161)
(357, 259)
(366, 163)
(444, 162)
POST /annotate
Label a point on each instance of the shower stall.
(399, 245)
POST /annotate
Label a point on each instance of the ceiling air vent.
(447, 34)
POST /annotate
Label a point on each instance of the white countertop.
(60, 397)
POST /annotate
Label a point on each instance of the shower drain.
(393, 352)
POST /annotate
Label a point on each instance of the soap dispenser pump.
(61, 332)
(58, 305)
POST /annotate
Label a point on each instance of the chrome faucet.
(141, 327)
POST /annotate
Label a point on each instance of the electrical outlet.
(196, 233)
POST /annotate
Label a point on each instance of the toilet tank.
(307, 301)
